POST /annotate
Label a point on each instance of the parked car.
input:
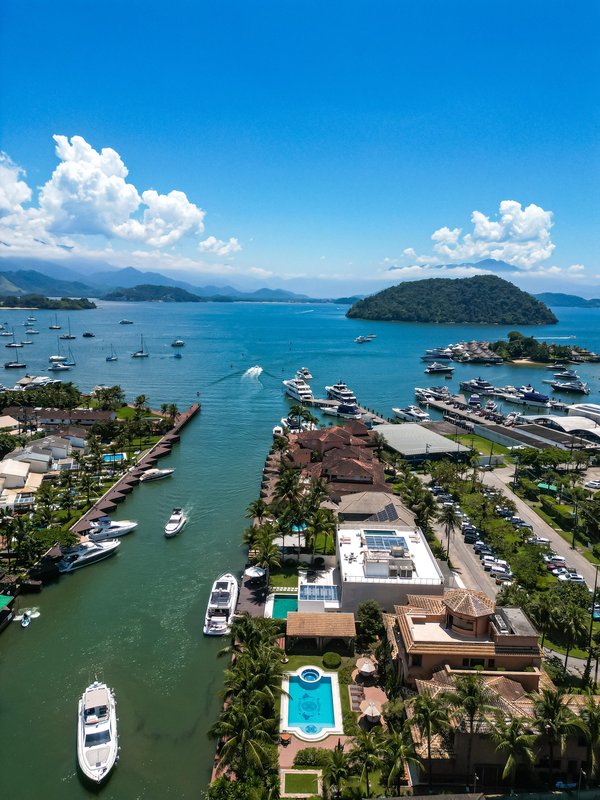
(592, 485)
(470, 538)
(538, 539)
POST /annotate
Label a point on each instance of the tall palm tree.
(267, 555)
(257, 510)
(323, 522)
(246, 736)
(591, 717)
(573, 627)
(366, 755)
(281, 446)
(398, 752)
(471, 698)
(317, 492)
(512, 738)
(554, 721)
(336, 771)
(431, 717)
(450, 520)
(251, 634)
(543, 610)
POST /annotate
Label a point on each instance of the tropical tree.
(512, 738)
(379, 442)
(281, 446)
(366, 756)
(470, 697)
(430, 714)
(554, 721)
(267, 553)
(572, 624)
(543, 609)
(140, 404)
(398, 751)
(246, 736)
(322, 522)
(591, 717)
(257, 510)
(450, 521)
(336, 771)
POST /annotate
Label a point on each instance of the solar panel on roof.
(392, 514)
(377, 542)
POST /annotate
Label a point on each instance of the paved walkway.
(288, 753)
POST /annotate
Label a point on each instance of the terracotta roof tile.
(328, 624)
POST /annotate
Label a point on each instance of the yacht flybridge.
(340, 392)
(221, 606)
(411, 414)
(97, 738)
(298, 389)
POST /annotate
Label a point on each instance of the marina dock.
(368, 414)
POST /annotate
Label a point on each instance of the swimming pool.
(283, 604)
(310, 705)
(111, 458)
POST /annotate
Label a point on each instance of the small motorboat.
(97, 738)
(155, 474)
(177, 343)
(277, 431)
(125, 322)
(88, 335)
(106, 528)
(26, 619)
(176, 522)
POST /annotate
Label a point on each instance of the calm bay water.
(136, 620)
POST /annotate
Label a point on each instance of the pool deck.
(287, 753)
(252, 598)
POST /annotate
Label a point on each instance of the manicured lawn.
(302, 783)
(284, 576)
(480, 444)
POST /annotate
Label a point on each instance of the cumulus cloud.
(518, 235)
(13, 191)
(219, 247)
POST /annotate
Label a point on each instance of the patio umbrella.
(370, 709)
(365, 666)
(254, 572)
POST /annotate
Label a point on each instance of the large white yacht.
(106, 528)
(298, 389)
(340, 392)
(304, 373)
(97, 738)
(411, 414)
(221, 606)
(176, 522)
(155, 474)
(86, 553)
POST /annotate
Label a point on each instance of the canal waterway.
(136, 619)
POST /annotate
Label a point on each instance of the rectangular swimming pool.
(283, 604)
(110, 458)
(310, 706)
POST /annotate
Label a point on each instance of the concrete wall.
(388, 595)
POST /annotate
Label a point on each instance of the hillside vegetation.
(481, 299)
(148, 292)
(39, 301)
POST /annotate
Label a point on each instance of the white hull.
(156, 475)
(521, 402)
(175, 524)
(298, 390)
(221, 606)
(87, 554)
(97, 737)
(411, 415)
(113, 531)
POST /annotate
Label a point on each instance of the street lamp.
(581, 774)
(575, 524)
(475, 779)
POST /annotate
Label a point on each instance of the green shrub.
(350, 724)
(560, 514)
(345, 675)
(331, 660)
(311, 757)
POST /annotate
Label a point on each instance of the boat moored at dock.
(298, 389)
(97, 737)
(340, 392)
(221, 606)
(86, 553)
(155, 474)
(106, 528)
(411, 414)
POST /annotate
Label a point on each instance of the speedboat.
(295, 425)
(477, 385)
(86, 553)
(88, 335)
(177, 343)
(176, 522)
(435, 367)
(340, 392)
(298, 389)
(474, 401)
(411, 414)
(25, 619)
(106, 528)
(125, 322)
(97, 738)
(567, 375)
(573, 386)
(361, 339)
(58, 367)
(277, 431)
(304, 373)
(221, 606)
(527, 396)
(491, 406)
(432, 393)
(155, 474)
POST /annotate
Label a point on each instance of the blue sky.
(308, 144)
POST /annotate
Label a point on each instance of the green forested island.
(39, 301)
(481, 299)
(155, 294)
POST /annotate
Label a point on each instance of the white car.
(560, 571)
(538, 540)
(592, 485)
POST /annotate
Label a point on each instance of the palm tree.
(267, 554)
(257, 510)
(543, 610)
(252, 634)
(365, 755)
(246, 736)
(450, 520)
(471, 697)
(317, 492)
(320, 522)
(379, 442)
(431, 717)
(554, 721)
(573, 627)
(591, 717)
(336, 771)
(512, 738)
(281, 446)
(398, 752)
(140, 403)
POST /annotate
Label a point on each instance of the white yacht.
(277, 431)
(340, 392)
(294, 425)
(298, 389)
(304, 373)
(221, 606)
(176, 522)
(105, 528)
(155, 474)
(177, 343)
(97, 738)
(142, 352)
(411, 414)
(345, 411)
(56, 366)
(86, 553)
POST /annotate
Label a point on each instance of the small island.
(483, 299)
(41, 302)
(149, 293)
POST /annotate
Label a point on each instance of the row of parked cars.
(498, 568)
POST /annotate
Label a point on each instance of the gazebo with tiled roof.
(322, 627)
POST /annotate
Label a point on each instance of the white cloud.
(519, 235)
(13, 191)
(408, 251)
(219, 247)
(257, 272)
(576, 269)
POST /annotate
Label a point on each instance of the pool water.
(110, 458)
(283, 604)
(310, 706)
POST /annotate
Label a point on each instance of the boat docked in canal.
(86, 553)
(155, 474)
(528, 396)
(340, 392)
(105, 528)
(343, 410)
(221, 606)
(411, 414)
(176, 522)
(298, 390)
(97, 736)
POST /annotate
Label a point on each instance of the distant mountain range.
(567, 300)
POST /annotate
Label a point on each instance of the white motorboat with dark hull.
(176, 522)
(106, 528)
(437, 354)
(411, 414)
(571, 386)
(155, 474)
(221, 606)
(344, 410)
(86, 553)
(340, 392)
(435, 367)
(478, 386)
(527, 396)
(97, 737)
(298, 390)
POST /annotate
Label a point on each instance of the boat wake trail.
(253, 373)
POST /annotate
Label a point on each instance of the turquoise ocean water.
(136, 619)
